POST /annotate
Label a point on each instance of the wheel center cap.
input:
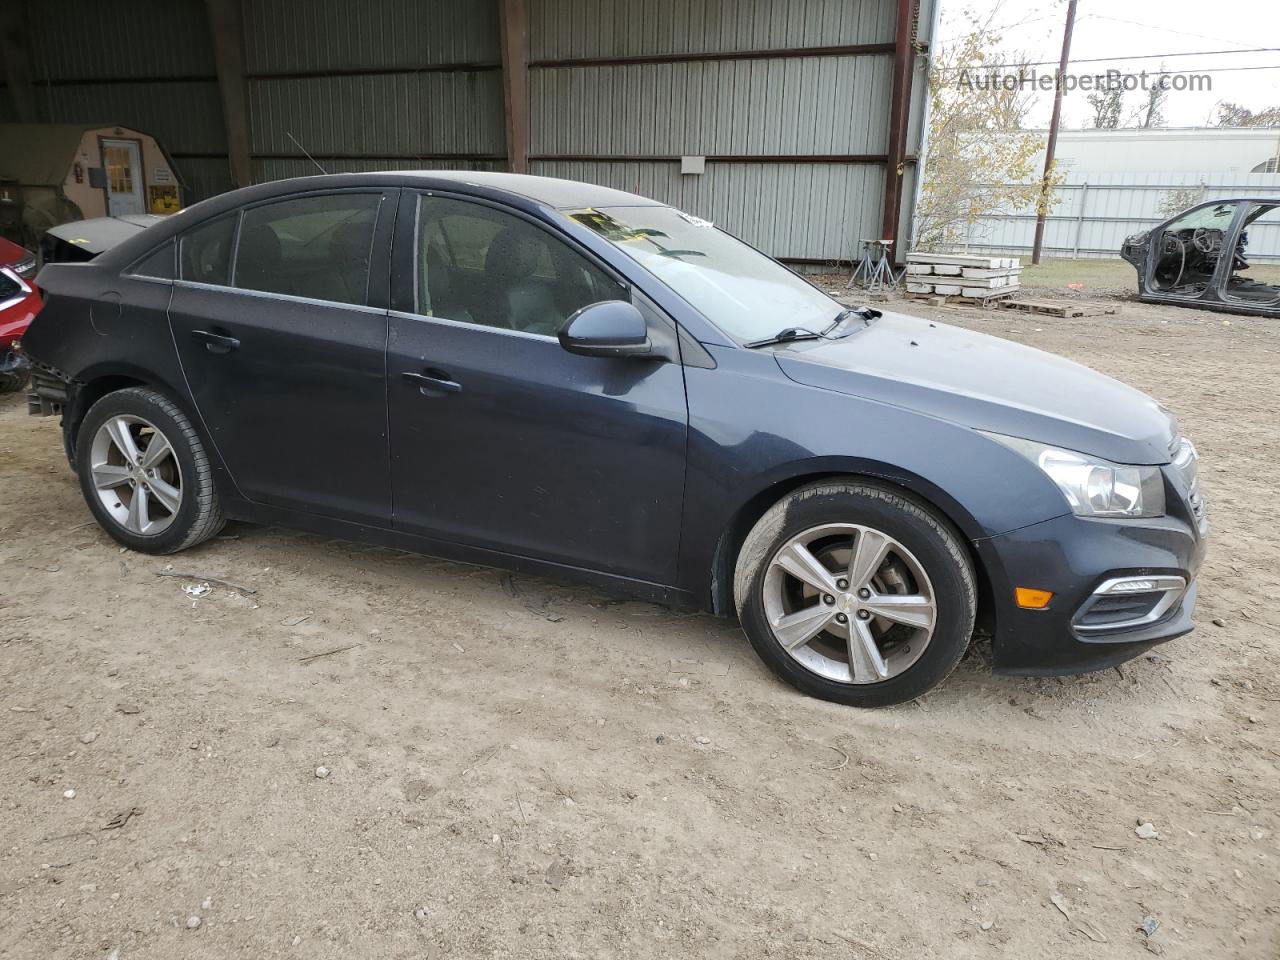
(845, 602)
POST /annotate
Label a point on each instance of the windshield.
(740, 290)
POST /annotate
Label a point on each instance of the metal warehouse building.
(793, 123)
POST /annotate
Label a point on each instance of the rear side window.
(206, 251)
(158, 265)
(315, 247)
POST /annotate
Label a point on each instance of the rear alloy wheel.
(136, 475)
(144, 472)
(856, 593)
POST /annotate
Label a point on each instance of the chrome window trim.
(144, 277)
(1173, 587)
(286, 297)
(472, 325)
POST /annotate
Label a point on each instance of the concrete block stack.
(971, 276)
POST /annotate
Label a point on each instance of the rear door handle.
(216, 342)
(429, 385)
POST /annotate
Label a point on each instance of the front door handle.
(433, 382)
(216, 342)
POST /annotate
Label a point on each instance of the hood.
(986, 383)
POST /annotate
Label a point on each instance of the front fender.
(754, 434)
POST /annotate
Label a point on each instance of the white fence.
(1095, 213)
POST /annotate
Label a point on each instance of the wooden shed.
(52, 173)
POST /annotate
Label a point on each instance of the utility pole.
(1042, 208)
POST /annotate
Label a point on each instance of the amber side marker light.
(1030, 598)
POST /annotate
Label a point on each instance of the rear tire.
(856, 593)
(144, 473)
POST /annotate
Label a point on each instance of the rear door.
(280, 319)
(499, 437)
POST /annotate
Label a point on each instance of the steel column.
(514, 17)
(226, 30)
(899, 107)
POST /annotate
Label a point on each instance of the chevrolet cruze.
(576, 382)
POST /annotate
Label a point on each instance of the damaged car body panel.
(1201, 257)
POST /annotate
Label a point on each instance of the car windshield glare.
(739, 289)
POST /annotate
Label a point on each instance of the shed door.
(123, 162)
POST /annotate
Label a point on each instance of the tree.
(1175, 201)
(1151, 113)
(1233, 115)
(1107, 106)
(978, 158)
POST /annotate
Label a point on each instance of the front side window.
(206, 251)
(315, 247)
(479, 265)
(737, 288)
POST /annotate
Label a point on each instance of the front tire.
(144, 473)
(856, 593)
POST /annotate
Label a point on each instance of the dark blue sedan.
(577, 382)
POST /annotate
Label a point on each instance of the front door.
(122, 160)
(499, 437)
(284, 350)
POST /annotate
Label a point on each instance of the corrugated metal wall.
(397, 84)
(561, 29)
(794, 126)
(816, 123)
(146, 64)
(1092, 220)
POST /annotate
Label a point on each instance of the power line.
(1152, 26)
(1144, 56)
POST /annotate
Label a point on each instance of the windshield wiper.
(785, 336)
(866, 313)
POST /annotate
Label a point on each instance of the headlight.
(1095, 487)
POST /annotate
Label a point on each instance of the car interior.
(487, 267)
(1189, 249)
(317, 247)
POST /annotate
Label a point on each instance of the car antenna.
(304, 151)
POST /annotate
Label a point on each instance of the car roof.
(10, 252)
(549, 191)
(520, 190)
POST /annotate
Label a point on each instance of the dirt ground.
(626, 781)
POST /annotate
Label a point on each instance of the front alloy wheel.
(856, 592)
(850, 603)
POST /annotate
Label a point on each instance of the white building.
(1199, 150)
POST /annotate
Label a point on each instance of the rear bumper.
(1073, 557)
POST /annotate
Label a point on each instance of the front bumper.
(1073, 557)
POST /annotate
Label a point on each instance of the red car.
(19, 303)
(19, 260)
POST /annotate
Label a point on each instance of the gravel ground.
(525, 769)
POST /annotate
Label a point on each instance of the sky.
(1105, 28)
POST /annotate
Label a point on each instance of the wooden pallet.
(1057, 308)
(938, 300)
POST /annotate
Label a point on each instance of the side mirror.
(611, 328)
